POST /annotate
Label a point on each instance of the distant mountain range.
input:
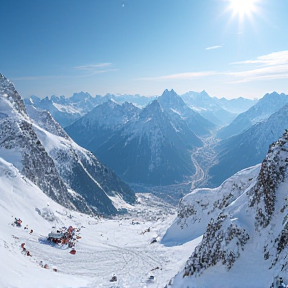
(261, 111)
(66, 110)
(98, 125)
(46, 155)
(171, 102)
(210, 108)
(248, 148)
(108, 128)
(152, 146)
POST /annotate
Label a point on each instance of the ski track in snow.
(119, 246)
(103, 258)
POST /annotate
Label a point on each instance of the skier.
(18, 222)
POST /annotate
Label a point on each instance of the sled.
(73, 252)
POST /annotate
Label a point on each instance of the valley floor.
(119, 246)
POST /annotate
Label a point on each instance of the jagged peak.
(80, 95)
(8, 91)
(170, 93)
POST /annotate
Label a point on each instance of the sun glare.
(243, 7)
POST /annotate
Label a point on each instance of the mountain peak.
(168, 93)
(10, 94)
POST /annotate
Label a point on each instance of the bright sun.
(243, 7)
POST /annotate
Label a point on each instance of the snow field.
(119, 246)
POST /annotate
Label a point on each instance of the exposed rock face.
(79, 168)
(252, 225)
(17, 134)
(46, 155)
(272, 173)
(221, 242)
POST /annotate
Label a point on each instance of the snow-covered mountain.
(245, 241)
(237, 105)
(197, 208)
(45, 154)
(247, 148)
(93, 129)
(64, 110)
(151, 149)
(208, 107)
(137, 100)
(20, 145)
(261, 111)
(79, 168)
(173, 103)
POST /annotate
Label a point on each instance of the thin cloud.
(90, 67)
(214, 47)
(38, 77)
(88, 70)
(266, 67)
(179, 76)
(271, 59)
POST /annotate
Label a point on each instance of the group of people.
(65, 236)
(25, 251)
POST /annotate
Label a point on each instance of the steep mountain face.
(237, 105)
(151, 149)
(261, 111)
(247, 236)
(20, 145)
(46, 155)
(247, 148)
(93, 129)
(208, 107)
(79, 168)
(173, 103)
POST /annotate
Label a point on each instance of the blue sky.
(145, 46)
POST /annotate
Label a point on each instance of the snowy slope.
(79, 168)
(200, 206)
(20, 145)
(118, 246)
(46, 155)
(245, 244)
